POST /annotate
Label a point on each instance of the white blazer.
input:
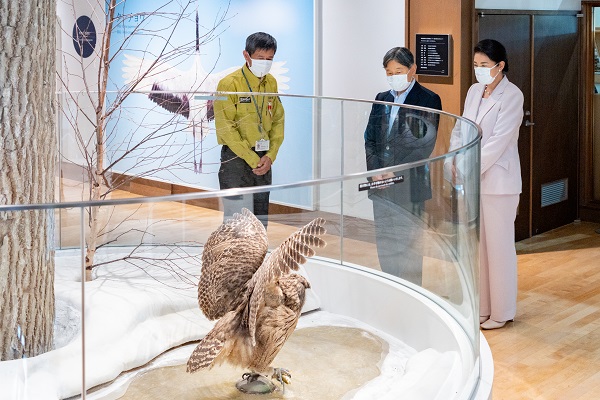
(500, 117)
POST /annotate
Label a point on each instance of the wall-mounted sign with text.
(433, 54)
(84, 36)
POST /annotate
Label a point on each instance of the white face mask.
(484, 74)
(260, 67)
(399, 83)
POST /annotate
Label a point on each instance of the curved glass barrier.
(100, 287)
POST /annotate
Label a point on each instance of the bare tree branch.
(97, 114)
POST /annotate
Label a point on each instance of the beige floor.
(552, 350)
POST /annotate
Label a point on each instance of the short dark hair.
(260, 40)
(399, 54)
(494, 50)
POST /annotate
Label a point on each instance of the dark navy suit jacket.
(411, 138)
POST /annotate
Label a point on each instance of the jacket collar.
(491, 101)
(414, 95)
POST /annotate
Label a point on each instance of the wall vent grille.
(555, 192)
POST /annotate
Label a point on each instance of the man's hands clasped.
(264, 165)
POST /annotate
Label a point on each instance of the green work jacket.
(237, 120)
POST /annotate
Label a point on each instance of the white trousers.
(498, 257)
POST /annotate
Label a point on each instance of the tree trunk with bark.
(28, 154)
(97, 172)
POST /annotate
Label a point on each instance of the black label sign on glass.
(380, 184)
(84, 36)
(433, 55)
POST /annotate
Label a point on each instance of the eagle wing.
(142, 74)
(211, 346)
(287, 257)
(231, 256)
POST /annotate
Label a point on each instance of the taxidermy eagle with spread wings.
(185, 92)
(257, 297)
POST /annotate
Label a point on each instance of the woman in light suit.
(496, 105)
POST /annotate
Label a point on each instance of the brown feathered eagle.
(257, 297)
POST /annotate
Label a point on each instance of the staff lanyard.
(262, 107)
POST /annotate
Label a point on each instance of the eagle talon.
(282, 375)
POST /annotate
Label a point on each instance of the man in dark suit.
(398, 135)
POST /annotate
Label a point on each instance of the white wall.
(355, 36)
(76, 72)
(528, 4)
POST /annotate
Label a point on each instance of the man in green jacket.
(250, 127)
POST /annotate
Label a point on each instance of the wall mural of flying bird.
(187, 93)
(256, 297)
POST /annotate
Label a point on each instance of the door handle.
(529, 123)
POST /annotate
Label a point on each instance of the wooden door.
(543, 60)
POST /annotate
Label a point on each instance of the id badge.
(262, 145)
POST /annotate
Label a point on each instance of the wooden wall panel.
(454, 17)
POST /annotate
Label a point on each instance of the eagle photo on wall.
(256, 297)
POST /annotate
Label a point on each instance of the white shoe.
(483, 319)
(491, 324)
